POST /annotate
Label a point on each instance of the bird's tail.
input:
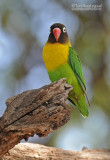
(80, 104)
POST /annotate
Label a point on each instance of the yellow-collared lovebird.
(63, 62)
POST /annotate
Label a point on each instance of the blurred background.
(24, 29)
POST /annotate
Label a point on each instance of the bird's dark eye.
(64, 29)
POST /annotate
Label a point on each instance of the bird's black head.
(58, 33)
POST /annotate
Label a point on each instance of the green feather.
(76, 66)
(76, 96)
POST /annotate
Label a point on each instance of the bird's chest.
(55, 55)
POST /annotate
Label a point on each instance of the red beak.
(56, 32)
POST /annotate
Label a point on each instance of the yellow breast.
(55, 54)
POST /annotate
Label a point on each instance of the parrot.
(62, 61)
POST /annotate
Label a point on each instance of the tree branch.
(38, 111)
(29, 151)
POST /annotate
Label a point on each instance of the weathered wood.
(29, 151)
(38, 111)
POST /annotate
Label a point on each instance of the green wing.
(76, 66)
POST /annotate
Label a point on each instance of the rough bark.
(28, 151)
(38, 111)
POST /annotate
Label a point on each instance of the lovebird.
(62, 61)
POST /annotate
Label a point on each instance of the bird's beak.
(56, 32)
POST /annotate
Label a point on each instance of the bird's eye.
(50, 30)
(64, 29)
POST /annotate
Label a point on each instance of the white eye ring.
(64, 29)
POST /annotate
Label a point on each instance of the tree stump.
(38, 111)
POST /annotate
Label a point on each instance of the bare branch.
(28, 151)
